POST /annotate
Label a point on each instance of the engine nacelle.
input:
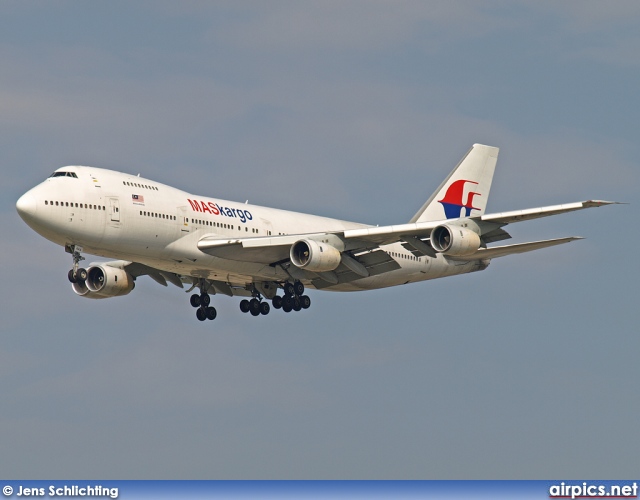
(103, 282)
(315, 256)
(455, 241)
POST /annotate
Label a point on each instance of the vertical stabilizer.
(464, 193)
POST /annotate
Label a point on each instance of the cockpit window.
(64, 174)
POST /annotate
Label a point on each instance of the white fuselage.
(122, 216)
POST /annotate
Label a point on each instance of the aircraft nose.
(26, 205)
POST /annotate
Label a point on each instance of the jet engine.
(455, 241)
(315, 256)
(103, 282)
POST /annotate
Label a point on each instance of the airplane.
(254, 252)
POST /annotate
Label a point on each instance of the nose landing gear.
(76, 274)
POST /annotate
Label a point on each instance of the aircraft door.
(183, 219)
(114, 209)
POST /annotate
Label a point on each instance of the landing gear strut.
(77, 274)
(202, 301)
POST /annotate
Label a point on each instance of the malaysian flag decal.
(137, 199)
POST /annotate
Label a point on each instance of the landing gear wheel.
(287, 302)
(277, 302)
(254, 307)
(205, 299)
(195, 300)
(244, 305)
(81, 274)
(71, 276)
(288, 289)
(264, 308)
(298, 288)
(211, 313)
(305, 302)
(296, 304)
(201, 314)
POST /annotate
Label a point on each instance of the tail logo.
(452, 201)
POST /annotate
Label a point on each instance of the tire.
(211, 313)
(195, 300)
(254, 307)
(288, 289)
(81, 274)
(71, 276)
(201, 314)
(264, 308)
(287, 301)
(298, 288)
(276, 302)
(287, 307)
(205, 299)
(244, 305)
(296, 304)
(305, 302)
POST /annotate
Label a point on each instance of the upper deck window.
(64, 174)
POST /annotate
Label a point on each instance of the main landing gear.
(256, 306)
(76, 274)
(293, 299)
(201, 301)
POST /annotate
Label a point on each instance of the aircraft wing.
(501, 251)
(161, 277)
(535, 213)
(272, 250)
(263, 250)
(414, 235)
(136, 269)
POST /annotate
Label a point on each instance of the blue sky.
(355, 110)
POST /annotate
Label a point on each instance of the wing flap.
(376, 262)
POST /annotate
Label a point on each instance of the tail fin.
(467, 187)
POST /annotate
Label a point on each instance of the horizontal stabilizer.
(492, 253)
